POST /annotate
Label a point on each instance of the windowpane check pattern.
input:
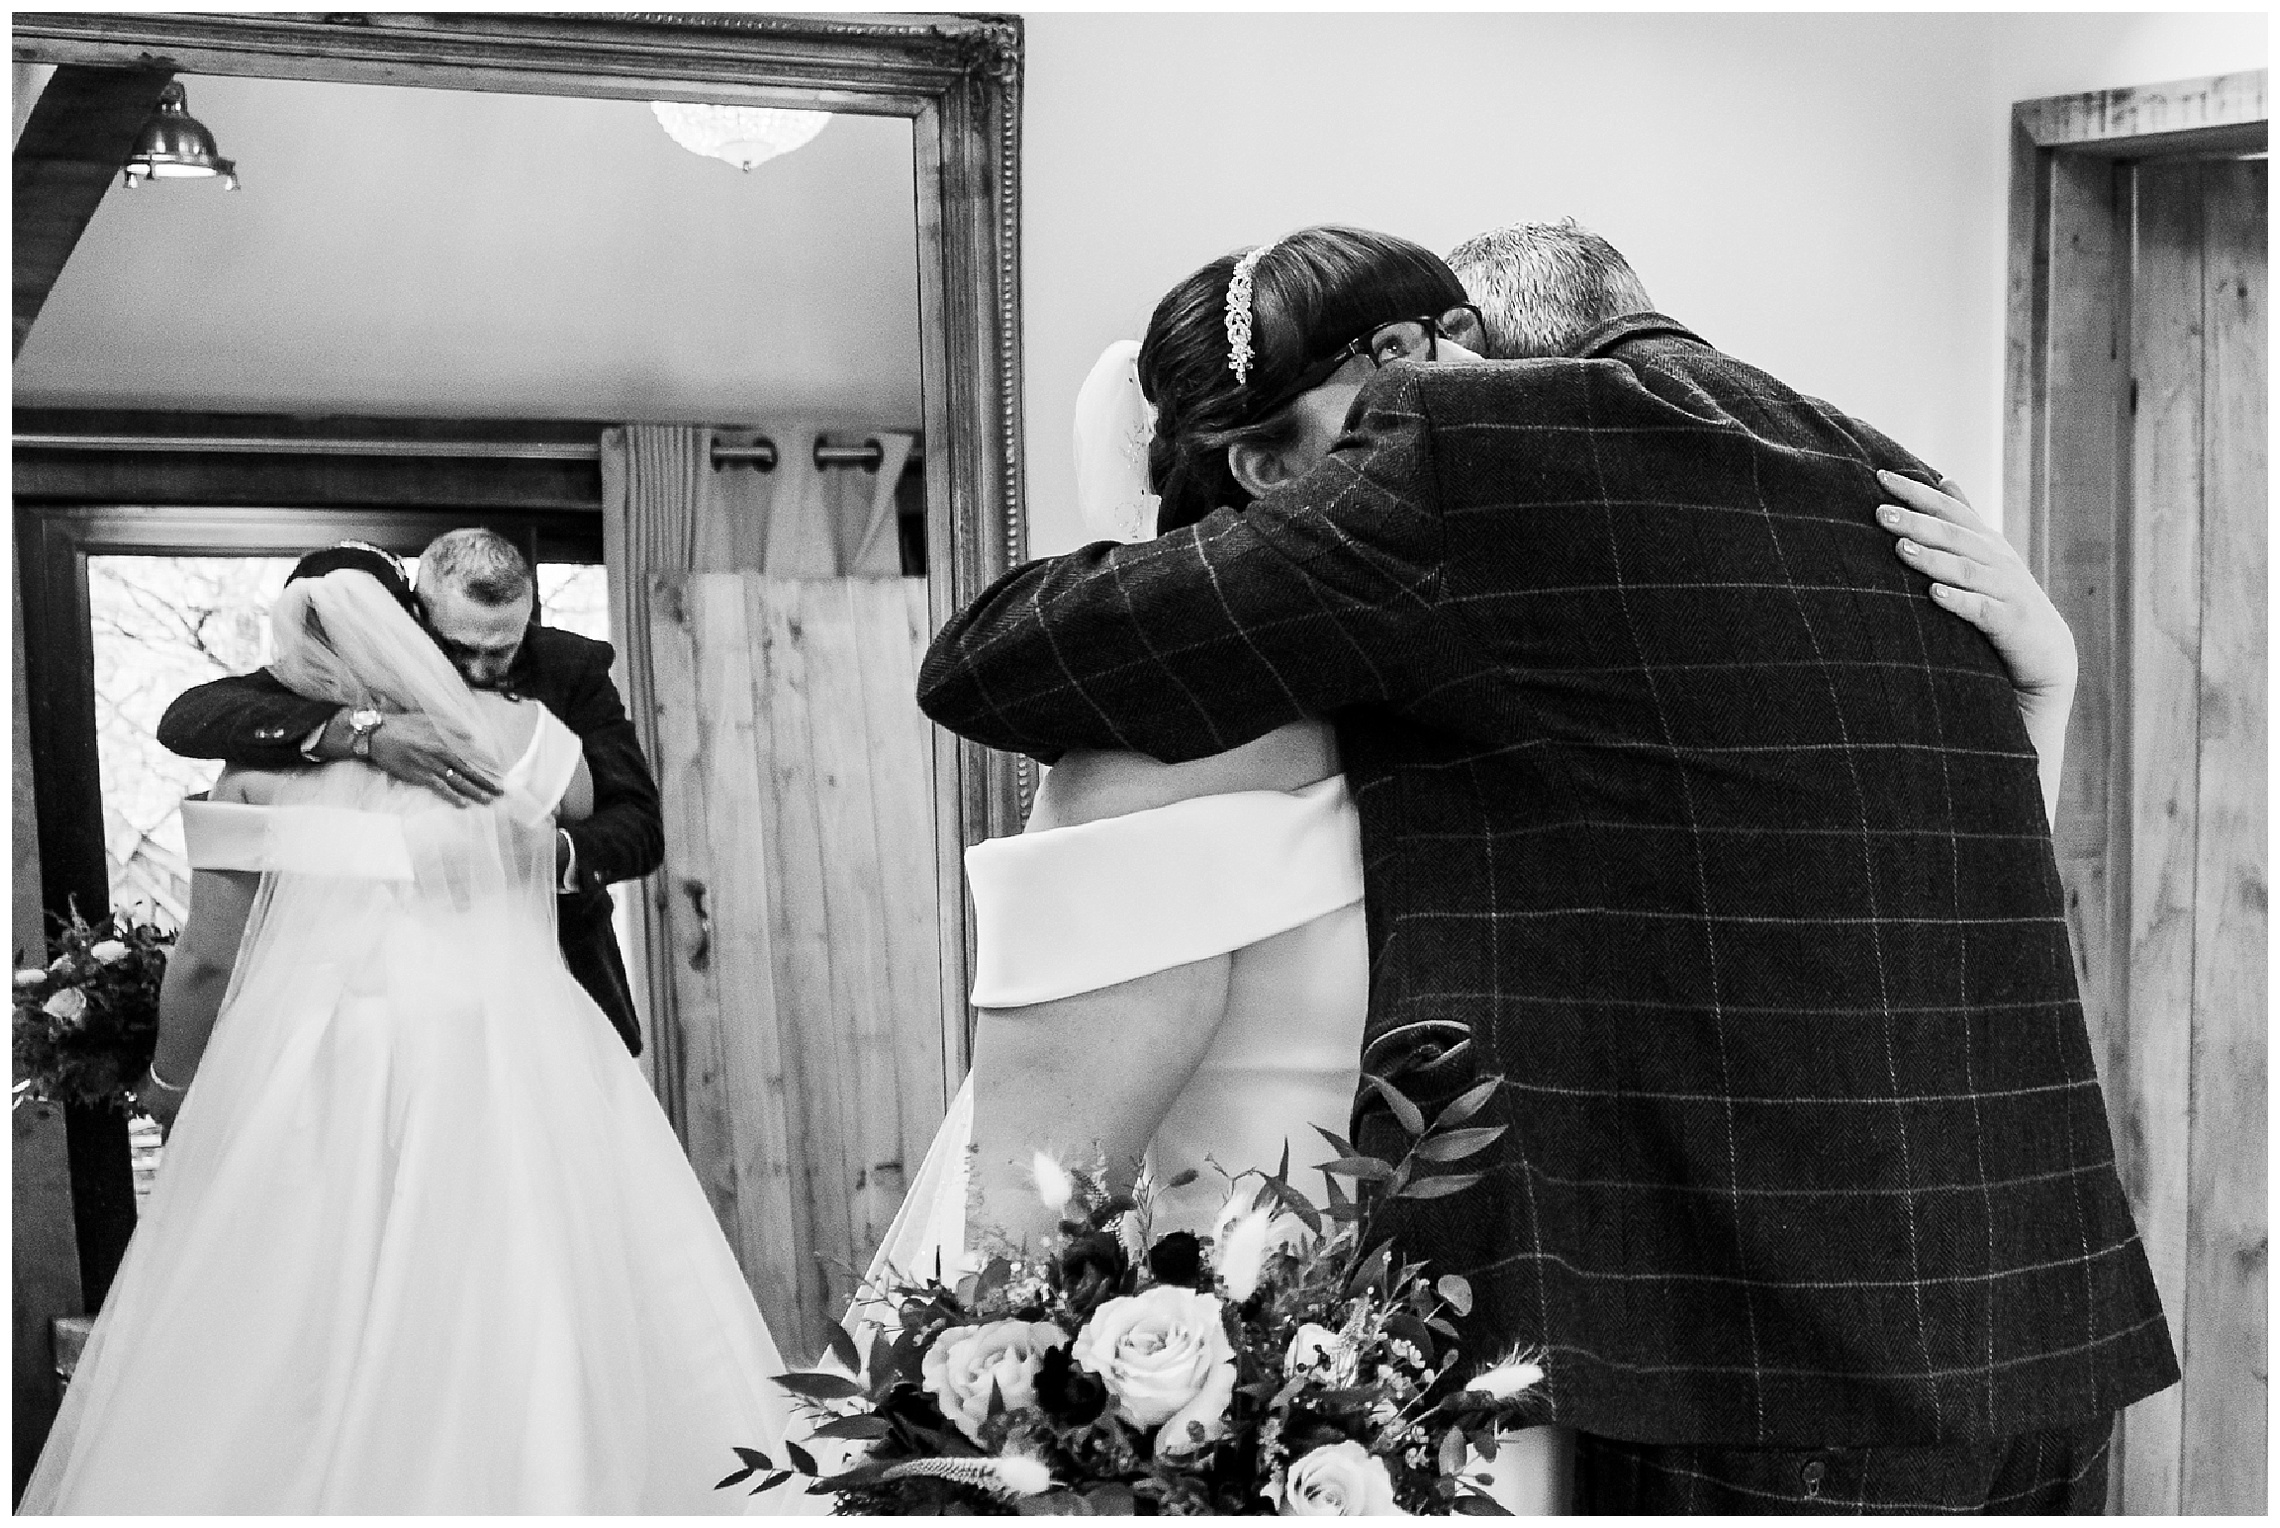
(1686, 812)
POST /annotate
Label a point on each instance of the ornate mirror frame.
(957, 79)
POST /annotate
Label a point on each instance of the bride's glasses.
(1398, 339)
(1412, 339)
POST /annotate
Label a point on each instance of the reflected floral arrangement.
(87, 1022)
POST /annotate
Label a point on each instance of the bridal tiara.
(1239, 314)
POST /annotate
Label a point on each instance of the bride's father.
(476, 596)
(1685, 806)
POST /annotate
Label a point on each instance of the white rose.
(69, 1005)
(1340, 1479)
(1164, 1356)
(108, 951)
(31, 978)
(965, 1362)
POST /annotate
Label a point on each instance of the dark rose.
(1089, 1268)
(1067, 1393)
(1177, 1259)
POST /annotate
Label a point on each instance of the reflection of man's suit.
(1684, 806)
(253, 721)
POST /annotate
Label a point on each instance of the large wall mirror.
(780, 408)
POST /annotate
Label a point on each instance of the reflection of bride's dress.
(423, 1240)
(1275, 877)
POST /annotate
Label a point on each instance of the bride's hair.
(1311, 292)
(347, 636)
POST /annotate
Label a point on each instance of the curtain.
(871, 545)
(667, 509)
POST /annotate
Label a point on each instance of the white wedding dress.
(1273, 878)
(423, 1240)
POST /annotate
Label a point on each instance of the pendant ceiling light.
(742, 135)
(173, 145)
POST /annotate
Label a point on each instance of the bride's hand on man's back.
(1977, 575)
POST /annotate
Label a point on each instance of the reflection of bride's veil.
(341, 637)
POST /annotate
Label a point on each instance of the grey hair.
(1541, 287)
(483, 565)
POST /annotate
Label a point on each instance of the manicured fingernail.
(1907, 548)
(1888, 513)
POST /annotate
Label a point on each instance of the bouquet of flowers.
(87, 1022)
(1288, 1364)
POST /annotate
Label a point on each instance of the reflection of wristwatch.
(361, 725)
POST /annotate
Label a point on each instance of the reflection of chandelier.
(742, 135)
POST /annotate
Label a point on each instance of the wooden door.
(801, 927)
(2153, 402)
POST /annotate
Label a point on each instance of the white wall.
(1821, 195)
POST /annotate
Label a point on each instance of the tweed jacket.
(1688, 814)
(253, 721)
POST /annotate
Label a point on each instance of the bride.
(1171, 958)
(423, 1241)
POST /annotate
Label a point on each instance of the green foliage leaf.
(1412, 1118)
(1457, 1290)
(842, 1347)
(1369, 1168)
(855, 1427)
(1439, 1188)
(1452, 1451)
(1182, 1179)
(1298, 1204)
(772, 1482)
(1338, 1143)
(1456, 1145)
(816, 1385)
(1467, 1104)
(1371, 1271)
(802, 1460)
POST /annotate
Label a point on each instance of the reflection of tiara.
(380, 552)
(1239, 315)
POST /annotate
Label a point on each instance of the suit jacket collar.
(1632, 326)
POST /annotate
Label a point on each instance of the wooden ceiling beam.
(72, 148)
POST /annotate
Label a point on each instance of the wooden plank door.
(2154, 396)
(801, 925)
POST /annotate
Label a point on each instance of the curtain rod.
(760, 453)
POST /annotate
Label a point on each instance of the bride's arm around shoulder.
(1088, 785)
(577, 803)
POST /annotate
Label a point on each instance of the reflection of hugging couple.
(1681, 804)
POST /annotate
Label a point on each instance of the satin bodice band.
(343, 841)
(1073, 909)
(295, 840)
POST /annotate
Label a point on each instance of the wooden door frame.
(955, 78)
(2049, 137)
(2071, 433)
